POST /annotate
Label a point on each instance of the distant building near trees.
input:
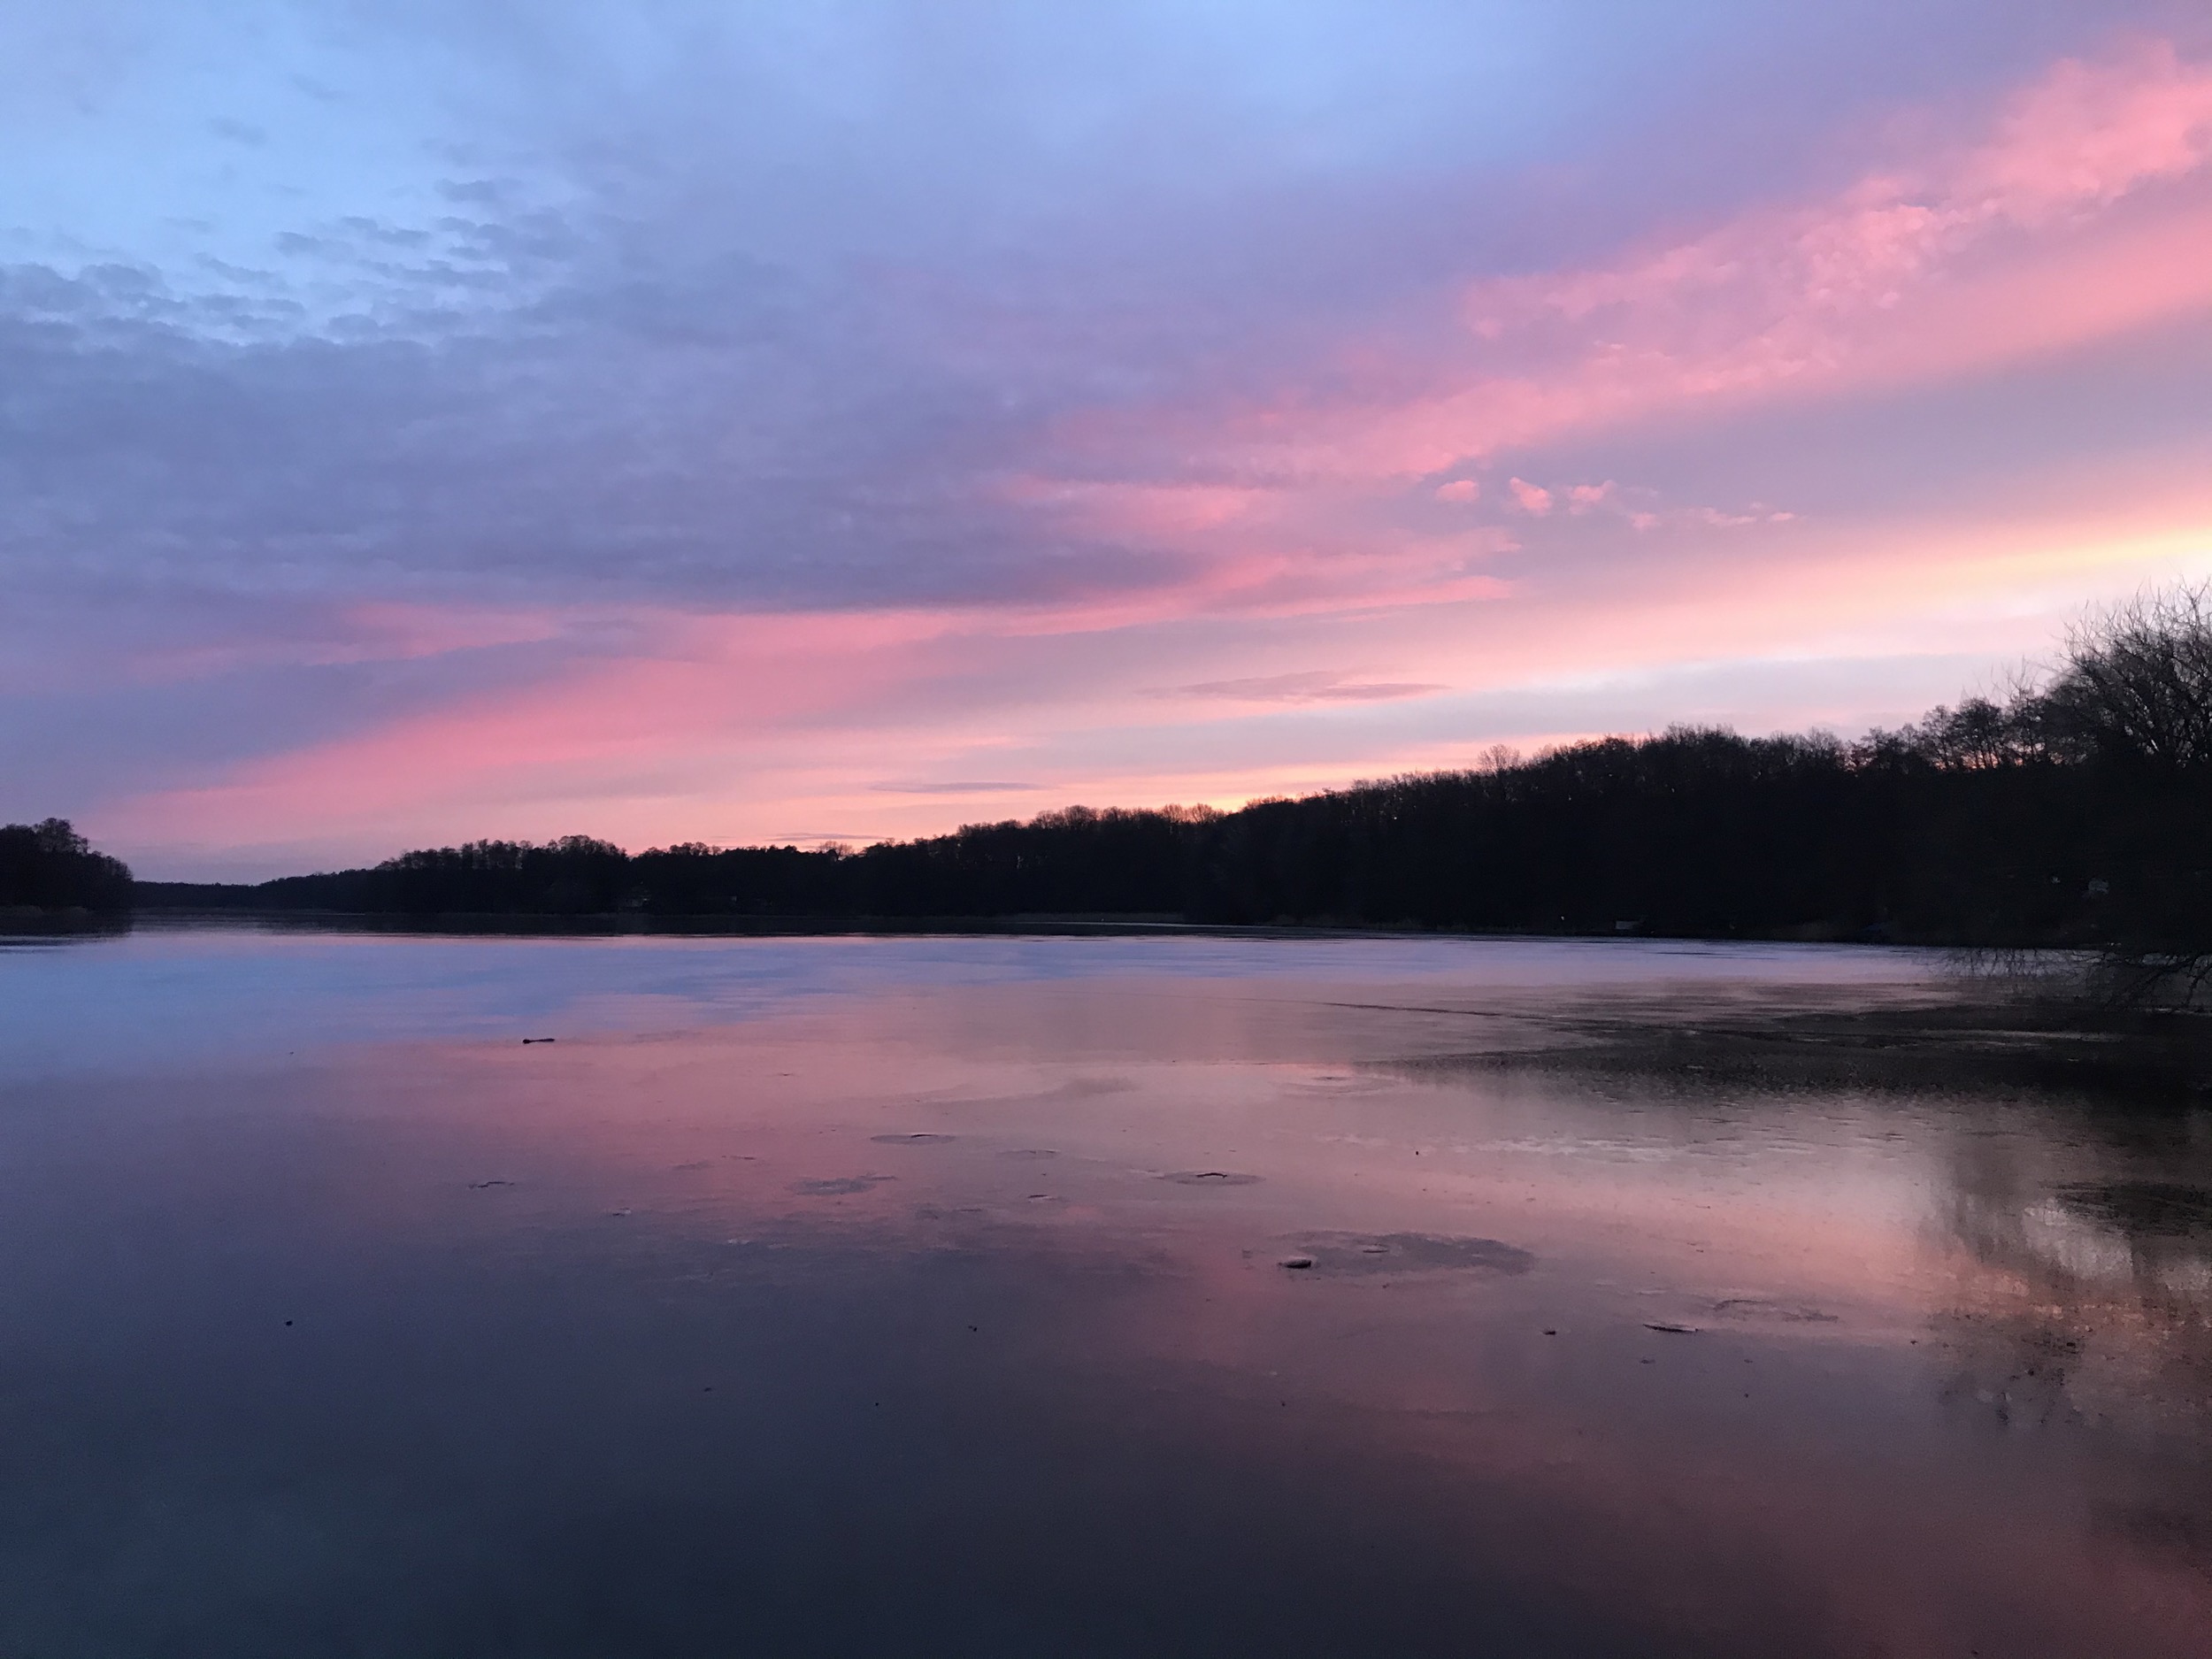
(49, 866)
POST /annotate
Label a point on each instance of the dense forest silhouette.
(49, 866)
(2077, 810)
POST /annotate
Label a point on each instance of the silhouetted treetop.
(2136, 688)
(47, 865)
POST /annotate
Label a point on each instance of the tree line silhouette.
(2074, 811)
(49, 866)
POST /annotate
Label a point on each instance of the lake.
(390, 1295)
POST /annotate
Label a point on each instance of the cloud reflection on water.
(778, 1329)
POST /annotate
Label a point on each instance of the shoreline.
(603, 924)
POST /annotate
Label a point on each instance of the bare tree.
(2134, 699)
(2136, 688)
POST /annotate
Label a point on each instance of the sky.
(673, 421)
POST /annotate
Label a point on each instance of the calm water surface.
(989, 1297)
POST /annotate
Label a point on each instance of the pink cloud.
(1126, 508)
(1649, 514)
(2090, 133)
(683, 687)
(1254, 551)
(1305, 687)
(2080, 210)
(1529, 498)
(2085, 136)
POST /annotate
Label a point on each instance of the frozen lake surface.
(1108, 1296)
